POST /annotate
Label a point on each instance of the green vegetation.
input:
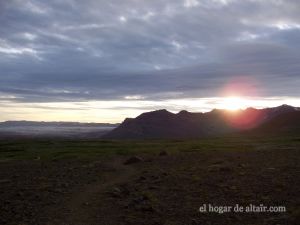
(93, 149)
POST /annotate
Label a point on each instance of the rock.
(139, 199)
(218, 162)
(54, 202)
(57, 190)
(147, 208)
(20, 194)
(152, 187)
(141, 178)
(163, 153)
(119, 192)
(233, 187)
(116, 192)
(242, 165)
(219, 168)
(133, 159)
(165, 174)
(148, 160)
(194, 222)
(225, 169)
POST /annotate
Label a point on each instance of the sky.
(102, 61)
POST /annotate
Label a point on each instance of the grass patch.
(91, 149)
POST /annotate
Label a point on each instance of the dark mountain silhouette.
(164, 124)
(284, 123)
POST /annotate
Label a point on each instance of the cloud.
(190, 3)
(146, 50)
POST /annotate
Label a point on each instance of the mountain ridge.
(164, 124)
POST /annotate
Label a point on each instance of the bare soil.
(162, 189)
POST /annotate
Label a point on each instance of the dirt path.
(82, 208)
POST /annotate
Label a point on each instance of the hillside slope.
(284, 123)
(162, 124)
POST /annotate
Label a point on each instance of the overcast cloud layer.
(73, 50)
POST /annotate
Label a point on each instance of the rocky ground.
(166, 188)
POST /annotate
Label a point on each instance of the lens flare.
(233, 103)
(242, 86)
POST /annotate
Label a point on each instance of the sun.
(233, 103)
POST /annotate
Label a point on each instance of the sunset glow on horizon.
(117, 111)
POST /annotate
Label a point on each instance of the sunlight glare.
(233, 103)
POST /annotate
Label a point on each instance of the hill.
(284, 123)
(163, 124)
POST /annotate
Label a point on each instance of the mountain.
(163, 124)
(284, 123)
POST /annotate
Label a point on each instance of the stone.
(163, 153)
(133, 159)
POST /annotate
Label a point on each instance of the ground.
(56, 182)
